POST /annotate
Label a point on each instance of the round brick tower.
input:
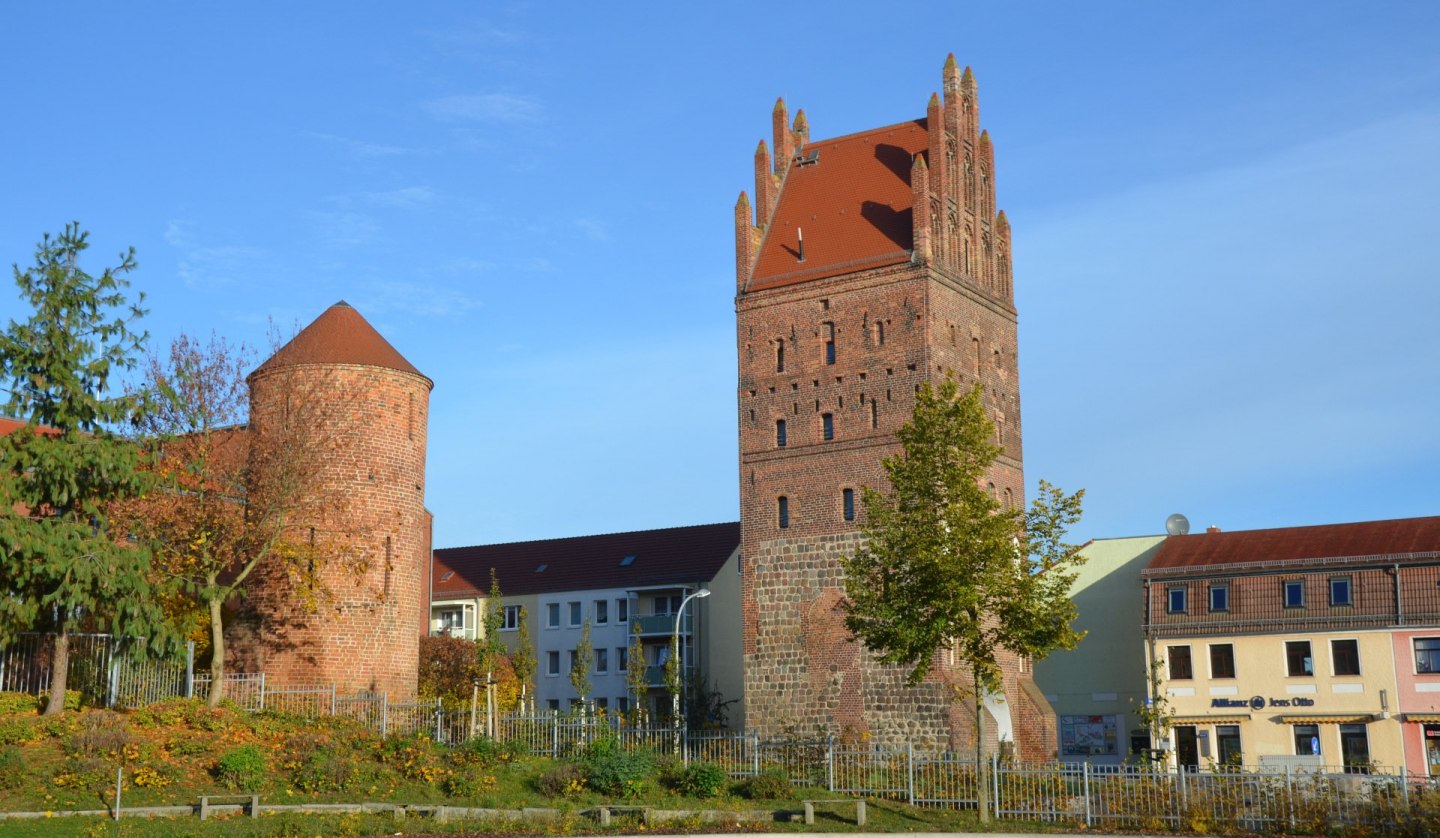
(348, 608)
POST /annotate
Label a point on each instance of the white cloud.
(414, 298)
(365, 149)
(202, 264)
(502, 108)
(344, 229)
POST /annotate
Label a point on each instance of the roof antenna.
(800, 232)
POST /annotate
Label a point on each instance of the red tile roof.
(1395, 538)
(10, 426)
(339, 336)
(662, 557)
(853, 205)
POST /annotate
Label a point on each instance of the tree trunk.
(59, 669)
(217, 655)
(982, 775)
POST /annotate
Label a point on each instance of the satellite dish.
(1177, 524)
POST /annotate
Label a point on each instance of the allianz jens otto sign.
(1259, 702)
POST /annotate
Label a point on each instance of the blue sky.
(1227, 236)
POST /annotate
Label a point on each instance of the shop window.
(1222, 660)
(1345, 656)
(1227, 745)
(1432, 749)
(1180, 666)
(1427, 654)
(1307, 740)
(1175, 600)
(1298, 661)
(1295, 594)
(1219, 598)
(1340, 591)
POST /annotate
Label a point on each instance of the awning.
(1221, 719)
(1427, 718)
(1327, 719)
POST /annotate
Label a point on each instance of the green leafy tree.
(945, 566)
(59, 555)
(491, 650)
(523, 660)
(580, 666)
(636, 676)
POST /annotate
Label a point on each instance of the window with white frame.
(602, 661)
(622, 610)
(552, 663)
(602, 612)
(577, 613)
(452, 620)
(552, 615)
(510, 618)
(622, 659)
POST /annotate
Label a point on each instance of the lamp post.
(675, 656)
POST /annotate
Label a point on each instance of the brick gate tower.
(873, 262)
(365, 409)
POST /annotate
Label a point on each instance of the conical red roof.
(339, 336)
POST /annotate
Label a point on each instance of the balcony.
(655, 675)
(657, 625)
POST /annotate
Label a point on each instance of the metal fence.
(100, 667)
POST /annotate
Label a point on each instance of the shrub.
(12, 767)
(242, 768)
(610, 770)
(169, 713)
(468, 783)
(101, 733)
(413, 756)
(325, 770)
(17, 729)
(701, 779)
(18, 704)
(770, 784)
(563, 780)
(483, 751)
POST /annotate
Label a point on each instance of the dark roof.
(339, 336)
(662, 557)
(853, 206)
(1366, 539)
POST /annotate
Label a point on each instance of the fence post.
(114, 686)
(995, 783)
(910, 770)
(384, 714)
(554, 735)
(1180, 798)
(189, 669)
(830, 763)
(439, 711)
(1290, 797)
(332, 699)
(262, 691)
(1088, 820)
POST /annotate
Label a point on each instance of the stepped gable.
(853, 204)
(340, 336)
(1394, 538)
(662, 557)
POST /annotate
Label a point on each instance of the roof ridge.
(590, 535)
(920, 120)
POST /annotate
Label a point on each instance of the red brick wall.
(363, 633)
(801, 672)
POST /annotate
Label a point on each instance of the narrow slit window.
(847, 502)
(779, 433)
(782, 510)
(829, 343)
(827, 426)
(780, 355)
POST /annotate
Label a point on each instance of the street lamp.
(675, 653)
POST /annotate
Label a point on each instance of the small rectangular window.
(1219, 597)
(780, 355)
(553, 704)
(1175, 600)
(1345, 657)
(602, 661)
(623, 704)
(602, 704)
(1227, 744)
(1180, 667)
(577, 614)
(622, 659)
(1222, 660)
(783, 512)
(552, 615)
(552, 663)
(847, 501)
(1340, 592)
(602, 612)
(622, 610)
(1427, 654)
(1295, 594)
(827, 426)
(779, 433)
(510, 618)
(1297, 658)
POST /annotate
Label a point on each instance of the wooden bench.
(840, 801)
(605, 812)
(248, 803)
